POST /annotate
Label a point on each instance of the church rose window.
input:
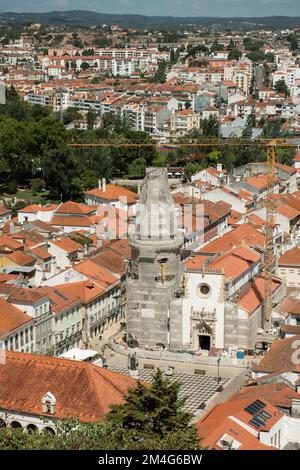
(203, 290)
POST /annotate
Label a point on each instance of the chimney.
(99, 184)
(49, 403)
(219, 167)
(103, 185)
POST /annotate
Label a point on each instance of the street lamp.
(218, 363)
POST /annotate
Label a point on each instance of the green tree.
(91, 118)
(160, 75)
(154, 411)
(36, 185)
(88, 52)
(70, 114)
(137, 169)
(281, 87)
(293, 40)
(216, 46)
(191, 169)
(234, 54)
(11, 187)
(85, 66)
(60, 171)
(211, 126)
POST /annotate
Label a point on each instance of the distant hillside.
(87, 18)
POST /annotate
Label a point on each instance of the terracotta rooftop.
(290, 257)
(11, 317)
(297, 156)
(58, 300)
(278, 393)
(245, 233)
(33, 208)
(122, 247)
(279, 358)
(41, 226)
(67, 244)
(40, 253)
(218, 422)
(74, 208)
(10, 243)
(111, 261)
(87, 291)
(113, 193)
(253, 297)
(4, 210)
(196, 262)
(71, 221)
(21, 259)
(19, 295)
(256, 220)
(96, 273)
(259, 181)
(291, 329)
(82, 390)
(234, 263)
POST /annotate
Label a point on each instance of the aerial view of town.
(150, 228)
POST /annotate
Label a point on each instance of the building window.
(203, 290)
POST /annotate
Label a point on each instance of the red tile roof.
(33, 208)
(245, 233)
(297, 156)
(196, 262)
(111, 261)
(113, 193)
(259, 181)
(59, 300)
(278, 393)
(40, 253)
(291, 329)
(122, 247)
(3, 210)
(279, 358)
(256, 220)
(82, 390)
(252, 298)
(287, 211)
(290, 257)
(75, 208)
(218, 422)
(10, 243)
(21, 259)
(96, 273)
(67, 244)
(20, 294)
(87, 291)
(234, 263)
(71, 221)
(11, 318)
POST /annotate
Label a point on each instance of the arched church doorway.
(202, 337)
(204, 342)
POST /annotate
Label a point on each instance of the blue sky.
(162, 7)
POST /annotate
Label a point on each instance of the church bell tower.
(154, 278)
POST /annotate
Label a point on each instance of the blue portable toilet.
(240, 354)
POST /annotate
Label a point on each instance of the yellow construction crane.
(269, 144)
